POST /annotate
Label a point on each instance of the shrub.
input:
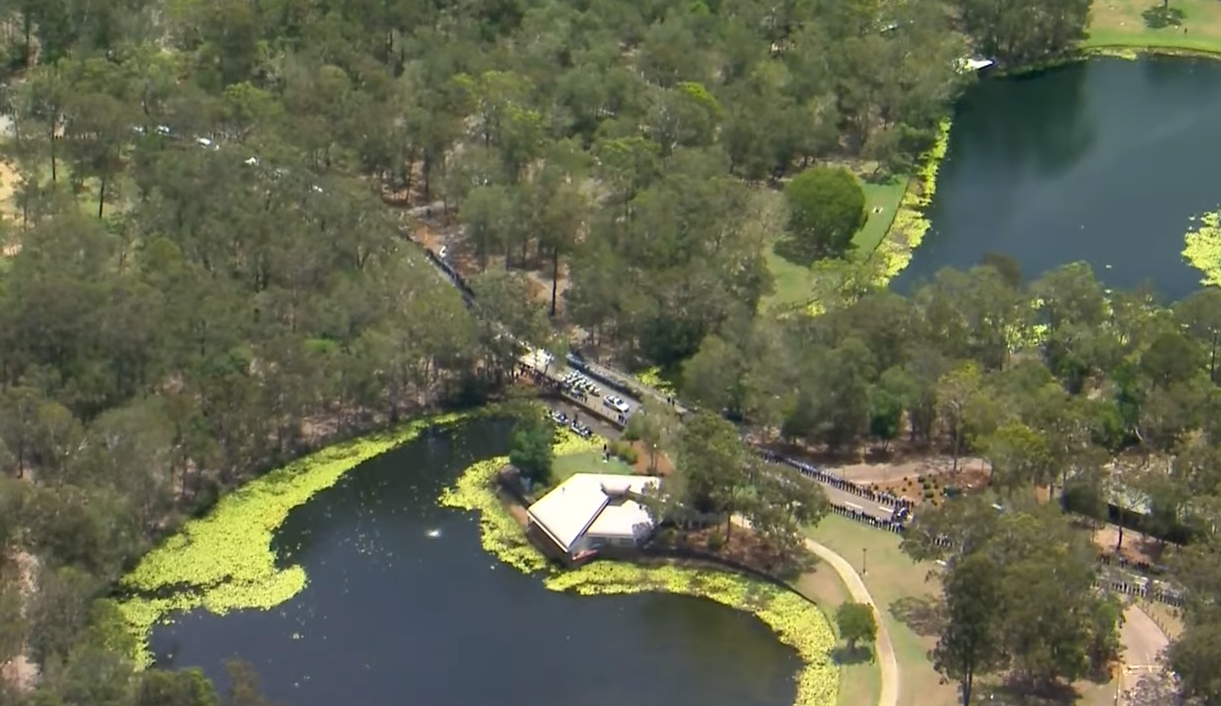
(628, 454)
(856, 623)
(715, 540)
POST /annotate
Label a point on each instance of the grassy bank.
(903, 596)
(224, 561)
(795, 283)
(894, 251)
(860, 680)
(795, 620)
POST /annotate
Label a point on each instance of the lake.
(1103, 161)
(404, 607)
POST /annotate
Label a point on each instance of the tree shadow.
(1018, 693)
(924, 616)
(791, 251)
(842, 656)
(1162, 16)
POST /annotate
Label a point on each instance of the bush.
(715, 540)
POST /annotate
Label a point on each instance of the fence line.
(1139, 589)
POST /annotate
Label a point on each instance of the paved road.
(1143, 640)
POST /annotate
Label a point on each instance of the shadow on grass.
(860, 654)
(1016, 693)
(923, 615)
(791, 251)
(1161, 17)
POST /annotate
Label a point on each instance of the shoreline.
(909, 226)
(795, 620)
(224, 561)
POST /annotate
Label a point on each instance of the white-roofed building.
(593, 510)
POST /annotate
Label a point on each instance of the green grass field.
(1195, 25)
(586, 462)
(905, 596)
(898, 586)
(793, 282)
(860, 682)
(884, 199)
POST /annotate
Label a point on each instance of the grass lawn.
(903, 594)
(899, 587)
(586, 462)
(860, 682)
(884, 199)
(794, 282)
(1126, 23)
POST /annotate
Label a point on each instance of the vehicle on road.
(616, 403)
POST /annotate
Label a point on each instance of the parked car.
(616, 403)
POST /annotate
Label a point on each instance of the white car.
(616, 403)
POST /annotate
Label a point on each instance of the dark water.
(1103, 161)
(392, 617)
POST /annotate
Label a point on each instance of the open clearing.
(794, 283)
(1194, 25)
(904, 597)
(587, 462)
(860, 680)
(907, 598)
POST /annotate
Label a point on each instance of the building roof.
(622, 518)
(575, 506)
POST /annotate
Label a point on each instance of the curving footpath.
(889, 695)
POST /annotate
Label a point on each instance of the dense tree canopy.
(202, 276)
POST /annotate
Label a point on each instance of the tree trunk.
(555, 277)
(101, 196)
(968, 685)
(28, 31)
(957, 446)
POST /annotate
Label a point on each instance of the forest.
(205, 271)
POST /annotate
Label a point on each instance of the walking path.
(889, 695)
